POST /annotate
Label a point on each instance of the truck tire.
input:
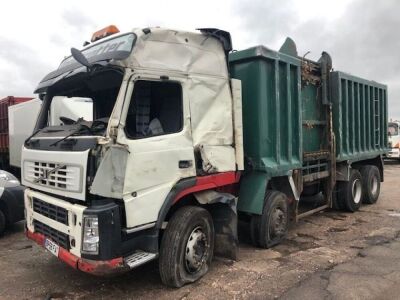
(350, 192)
(2, 222)
(187, 246)
(371, 182)
(255, 230)
(271, 227)
(337, 201)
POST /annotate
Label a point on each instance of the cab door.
(156, 129)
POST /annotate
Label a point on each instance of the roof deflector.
(223, 36)
(289, 47)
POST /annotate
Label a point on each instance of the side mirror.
(80, 58)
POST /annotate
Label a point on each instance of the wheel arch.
(343, 168)
(183, 191)
(221, 205)
(377, 162)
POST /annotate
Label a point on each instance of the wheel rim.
(374, 185)
(197, 249)
(356, 191)
(278, 223)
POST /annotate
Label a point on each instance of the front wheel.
(187, 246)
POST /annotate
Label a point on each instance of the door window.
(155, 109)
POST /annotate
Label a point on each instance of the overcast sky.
(363, 37)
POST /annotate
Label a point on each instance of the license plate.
(52, 247)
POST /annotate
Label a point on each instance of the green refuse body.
(297, 112)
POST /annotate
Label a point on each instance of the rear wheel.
(271, 227)
(2, 222)
(371, 182)
(350, 192)
(187, 246)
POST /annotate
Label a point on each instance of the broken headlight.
(90, 243)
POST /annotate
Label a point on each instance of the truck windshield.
(85, 100)
(393, 129)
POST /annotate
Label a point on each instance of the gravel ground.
(316, 254)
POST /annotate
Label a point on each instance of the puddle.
(336, 217)
(291, 246)
(377, 240)
(56, 295)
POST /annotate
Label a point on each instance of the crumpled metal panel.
(173, 50)
(218, 158)
(211, 111)
(110, 176)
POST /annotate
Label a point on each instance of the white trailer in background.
(22, 119)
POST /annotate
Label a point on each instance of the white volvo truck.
(151, 167)
(150, 170)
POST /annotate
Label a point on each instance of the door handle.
(184, 164)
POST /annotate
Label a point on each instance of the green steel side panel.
(271, 109)
(360, 117)
(252, 192)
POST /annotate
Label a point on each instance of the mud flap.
(223, 211)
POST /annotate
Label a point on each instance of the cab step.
(139, 258)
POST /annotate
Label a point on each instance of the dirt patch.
(337, 229)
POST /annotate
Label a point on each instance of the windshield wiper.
(32, 135)
(80, 127)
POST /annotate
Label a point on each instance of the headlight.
(91, 239)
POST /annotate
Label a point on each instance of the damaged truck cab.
(110, 191)
(169, 151)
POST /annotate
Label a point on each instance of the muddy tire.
(2, 223)
(371, 184)
(350, 192)
(255, 230)
(271, 227)
(187, 246)
(337, 202)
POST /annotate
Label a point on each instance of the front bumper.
(118, 250)
(95, 267)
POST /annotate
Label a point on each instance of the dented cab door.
(155, 127)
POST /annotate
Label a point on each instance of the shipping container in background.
(5, 103)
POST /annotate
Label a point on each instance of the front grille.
(53, 175)
(51, 211)
(56, 236)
